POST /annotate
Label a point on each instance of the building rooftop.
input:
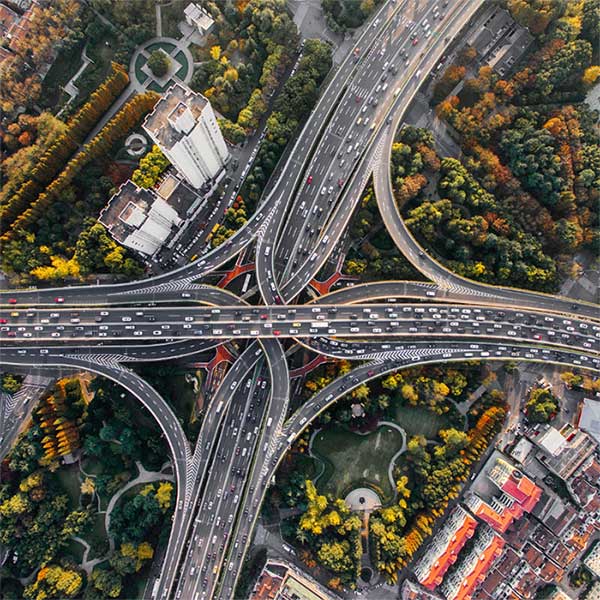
(522, 450)
(591, 470)
(519, 495)
(445, 547)
(517, 533)
(563, 451)
(592, 560)
(8, 19)
(554, 513)
(126, 210)
(589, 418)
(175, 115)
(197, 14)
(585, 494)
(280, 580)
(473, 567)
(411, 591)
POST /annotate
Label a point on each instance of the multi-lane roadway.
(223, 479)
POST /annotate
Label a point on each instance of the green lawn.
(76, 550)
(181, 58)
(166, 46)
(63, 68)
(353, 460)
(102, 53)
(171, 14)
(68, 476)
(97, 538)
(140, 61)
(417, 420)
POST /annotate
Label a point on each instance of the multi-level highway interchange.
(385, 325)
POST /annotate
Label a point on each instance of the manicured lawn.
(76, 550)
(171, 14)
(102, 53)
(63, 68)
(183, 61)
(159, 89)
(140, 61)
(166, 46)
(68, 475)
(97, 538)
(91, 466)
(417, 420)
(353, 460)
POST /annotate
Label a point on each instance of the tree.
(164, 495)
(591, 75)
(54, 581)
(10, 383)
(541, 406)
(151, 168)
(107, 581)
(158, 63)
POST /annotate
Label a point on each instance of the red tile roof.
(477, 574)
(439, 568)
(523, 490)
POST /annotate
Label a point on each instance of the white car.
(189, 319)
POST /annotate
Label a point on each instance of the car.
(12, 300)
(276, 332)
(59, 300)
(309, 180)
(415, 41)
(104, 313)
(53, 334)
(3, 321)
(189, 319)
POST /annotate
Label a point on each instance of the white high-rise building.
(184, 127)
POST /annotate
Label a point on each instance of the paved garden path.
(395, 457)
(143, 477)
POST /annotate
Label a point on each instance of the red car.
(12, 300)
(415, 41)
(276, 332)
(59, 300)
(340, 182)
(309, 180)
(264, 317)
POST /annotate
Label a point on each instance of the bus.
(246, 283)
